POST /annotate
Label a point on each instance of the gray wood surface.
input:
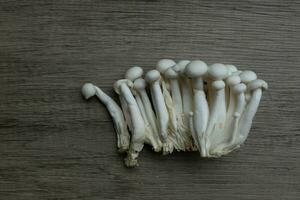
(56, 145)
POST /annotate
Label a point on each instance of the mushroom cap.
(231, 69)
(233, 80)
(239, 88)
(170, 73)
(218, 85)
(88, 90)
(195, 69)
(164, 64)
(134, 73)
(152, 76)
(218, 71)
(247, 76)
(180, 66)
(118, 83)
(258, 83)
(139, 84)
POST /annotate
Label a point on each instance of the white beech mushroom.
(232, 121)
(183, 139)
(231, 69)
(246, 77)
(238, 91)
(172, 76)
(140, 86)
(199, 117)
(215, 128)
(162, 66)
(231, 81)
(153, 78)
(255, 87)
(138, 125)
(133, 74)
(147, 114)
(186, 89)
(123, 138)
(187, 100)
(234, 98)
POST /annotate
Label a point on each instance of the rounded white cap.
(180, 66)
(247, 76)
(170, 73)
(88, 90)
(152, 76)
(195, 69)
(134, 73)
(233, 80)
(139, 84)
(218, 85)
(239, 88)
(164, 64)
(218, 71)
(258, 83)
(118, 83)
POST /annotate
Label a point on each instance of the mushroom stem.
(216, 124)
(256, 87)
(237, 114)
(231, 132)
(186, 88)
(195, 70)
(183, 139)
(217, 118)
(123, 137)
(232, 81)
(162, 66)
(152, 136)
(152, 77)
(138, 125)
(126, 112)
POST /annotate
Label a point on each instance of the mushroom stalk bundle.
(183, 106)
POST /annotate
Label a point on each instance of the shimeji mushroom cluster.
(183, 106)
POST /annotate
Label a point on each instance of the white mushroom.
(195, 70)
(123, 138)
(147, 113)
(172, 76)
(231, 71)
(186, 89)
(255, 87)
(231, 82)
(133, 74)
(246, 77)
(217, 119)
(239, 91)
(162, 66)
(183, 139)
(153, 77)
(232, 121)
(138, 125)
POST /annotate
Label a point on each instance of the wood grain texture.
(56, 145)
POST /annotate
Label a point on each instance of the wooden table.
(56, 145)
